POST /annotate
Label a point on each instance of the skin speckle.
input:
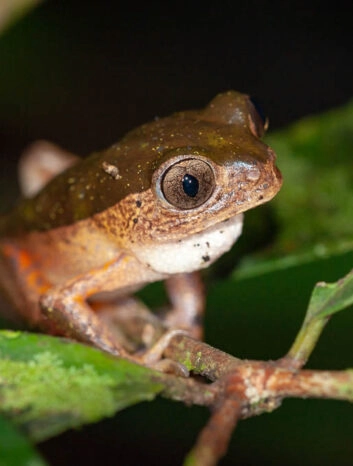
(135, 220)
(138, 204)
(111, 169)
(206, 258)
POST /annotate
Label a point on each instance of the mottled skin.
(98, 229)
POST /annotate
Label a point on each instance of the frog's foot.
(153, 357)
(131, 323)
(155, 353)
(168, 366)
(135, 326)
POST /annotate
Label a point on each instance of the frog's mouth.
(193, 252)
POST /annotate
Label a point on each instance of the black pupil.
(190, 185)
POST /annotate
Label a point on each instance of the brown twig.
(337, 385)
(243, 389)
(213, 440)
(189, 391)
(201, 358)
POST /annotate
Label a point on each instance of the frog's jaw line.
(194, 252)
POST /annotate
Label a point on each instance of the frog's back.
(224, 131)
(79, 192)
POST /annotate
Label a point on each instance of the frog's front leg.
(66, 305)
(187, 296)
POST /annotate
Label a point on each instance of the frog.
(162, 204)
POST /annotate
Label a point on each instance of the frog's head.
(211, 166)
(223, 170)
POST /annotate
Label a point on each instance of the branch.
(201, 358)
(337, 385)
(243, 389)
(213, 440)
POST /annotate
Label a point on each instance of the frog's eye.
(258, 119)
(188, 183)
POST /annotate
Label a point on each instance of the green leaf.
(329, 298)
(313, 210)
(15, 450)
(48, 385)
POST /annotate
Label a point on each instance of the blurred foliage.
(48, 385)
(15, 449)
(12, 10)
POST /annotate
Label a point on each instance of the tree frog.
(163, 203)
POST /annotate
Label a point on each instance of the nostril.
(252, 174)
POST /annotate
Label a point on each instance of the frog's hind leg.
(41, 162)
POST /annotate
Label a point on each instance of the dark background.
(83, 73)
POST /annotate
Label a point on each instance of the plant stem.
(305, 342)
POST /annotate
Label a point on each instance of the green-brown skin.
(87, 231)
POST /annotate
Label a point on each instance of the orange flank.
(25, 264)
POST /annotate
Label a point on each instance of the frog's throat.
(194, 252)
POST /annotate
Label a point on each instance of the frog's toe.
(168, 366)
(155, 353)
